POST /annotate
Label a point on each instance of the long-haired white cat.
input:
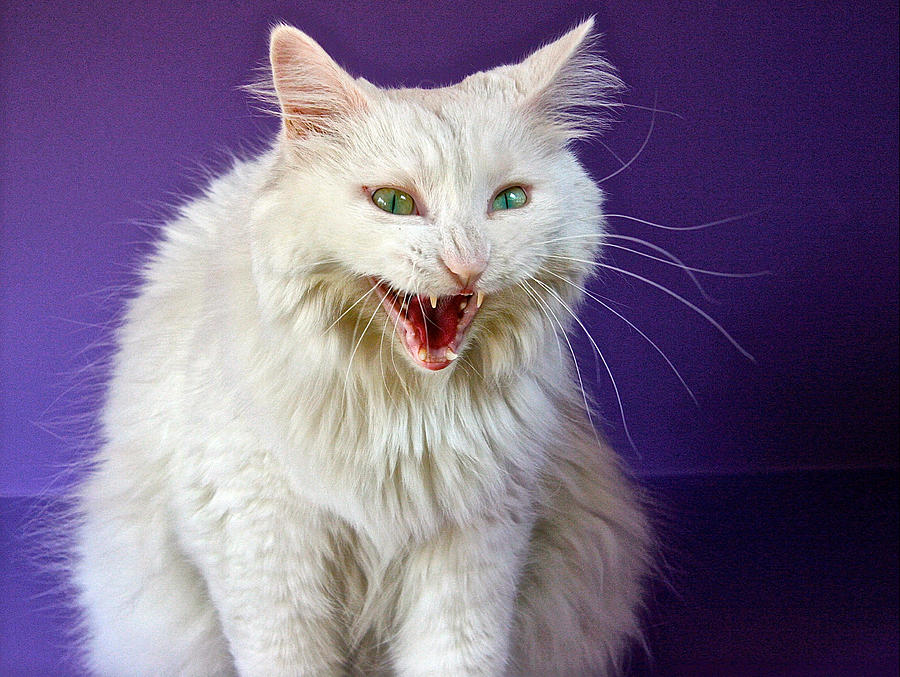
(343, 433)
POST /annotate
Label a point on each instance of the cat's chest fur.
(395, 469)
(396, 458)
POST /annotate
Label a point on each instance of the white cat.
(343, 433)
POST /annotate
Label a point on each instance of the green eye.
(509, 198)
(394, 201)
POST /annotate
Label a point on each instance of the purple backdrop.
(111, 111)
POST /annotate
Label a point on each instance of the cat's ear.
(314, 93)
(567, 83)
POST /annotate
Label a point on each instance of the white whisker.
(424, 319)
(688, 270)
(544, 312)
(393, 352)
(690, 305)
(389, 390)
(358, 342)
(562, 329)
(719, 222)
(639, 150)
(674, 260)
(358, 301)
(619, 104)
(612, 152)
(633, 326)
(602, 359)
(471, 366)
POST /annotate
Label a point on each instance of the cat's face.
(459, 211)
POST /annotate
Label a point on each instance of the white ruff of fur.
(282, 490)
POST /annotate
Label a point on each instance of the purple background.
(111, 112)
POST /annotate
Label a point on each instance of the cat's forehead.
(467, 128)
(483, 97)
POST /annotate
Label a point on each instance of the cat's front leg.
(457, 601)
(267, 568)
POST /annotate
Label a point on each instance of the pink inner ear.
(312, 89)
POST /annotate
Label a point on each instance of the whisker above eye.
(639, 150)
(619, 104)
(662, 226)
(612, 152)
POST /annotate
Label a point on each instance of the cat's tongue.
(431, 328)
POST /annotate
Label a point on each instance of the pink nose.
(466, 270)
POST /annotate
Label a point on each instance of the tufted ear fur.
(565, 81)
(313, 91)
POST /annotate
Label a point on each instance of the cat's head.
(447, 222)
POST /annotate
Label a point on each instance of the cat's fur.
(281, 490)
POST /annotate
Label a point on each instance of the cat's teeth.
(423, 353)
(463, 304)
(433, 301)
(450, 355)
(480, 299)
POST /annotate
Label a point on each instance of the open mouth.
(431, 328)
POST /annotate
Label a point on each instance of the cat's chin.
(431, 328)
